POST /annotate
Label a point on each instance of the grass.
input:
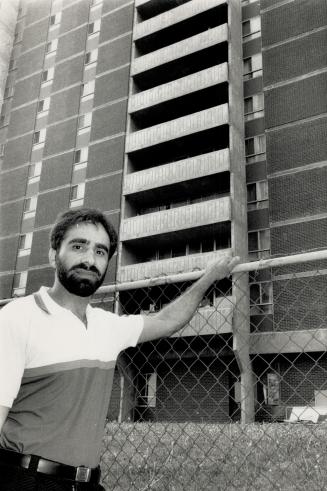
(205, 457)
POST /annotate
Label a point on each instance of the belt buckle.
(83, 474)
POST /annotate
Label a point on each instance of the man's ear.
(52, 258)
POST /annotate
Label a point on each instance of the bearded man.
(58, 354)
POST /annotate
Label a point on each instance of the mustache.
(93, 269)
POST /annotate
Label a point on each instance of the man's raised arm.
(178, 313)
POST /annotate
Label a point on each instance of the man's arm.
(3, 415)
(178, 313)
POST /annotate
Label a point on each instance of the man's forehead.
(87, 230)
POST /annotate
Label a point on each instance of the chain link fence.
(235, 400)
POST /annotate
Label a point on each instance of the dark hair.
(70, 218)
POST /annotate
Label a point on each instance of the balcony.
(183, 264)
(178, 50)
(178, 128)
(173, 16)
(217, 319)
(177, 88)
(184, 217)
(180, 171)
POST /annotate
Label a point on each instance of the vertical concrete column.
(239, 233)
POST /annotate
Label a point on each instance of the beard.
(76, 284)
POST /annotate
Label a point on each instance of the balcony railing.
(173, 16)
(184, 217)
(176, 265)
(178, 128)
(201, 41)
(180, 171)
(216, 319)
(177, 88)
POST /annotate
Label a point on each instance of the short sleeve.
(13, 341)
(130, 329)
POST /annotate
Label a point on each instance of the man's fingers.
(233, 262)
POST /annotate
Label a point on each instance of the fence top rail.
(194, 275)
(240, 268)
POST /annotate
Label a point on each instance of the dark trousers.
(14, 478)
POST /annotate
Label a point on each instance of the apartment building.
(199, 128)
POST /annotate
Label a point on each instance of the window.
(73, 192)
(55, 19)
(36, 137)
(39, 136)
(252, 66)
(249, 146)
(257, 195)
(246, 28)
(30, 204)
(88, 88)
(2, 120)
(34, 172)
(251, 28)
(43, 105)
(77, 194)
(20, 281)
(253, 107)
(51, 46)
(85, 120)
(2, 149)
(94, 27)
(255, 146)
(248, 105)
(91, 56)
(25, 244)
(261, 295)
(257, 191)
(47, 75)
(259, 244)
(40, 106)
(80, 155)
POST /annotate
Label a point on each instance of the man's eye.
(77, 247)
(100, 252)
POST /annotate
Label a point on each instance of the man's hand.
(221, 268)
(176, 314)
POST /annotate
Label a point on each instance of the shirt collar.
(48, 305)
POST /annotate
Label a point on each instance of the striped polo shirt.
(56, 376)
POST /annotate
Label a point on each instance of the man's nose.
(89, 257)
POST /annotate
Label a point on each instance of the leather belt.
(51, 468)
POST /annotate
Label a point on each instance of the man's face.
(82, 260)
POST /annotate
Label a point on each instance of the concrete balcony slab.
(184, 217)
(180, 171)
(173, 16)
(201, 41)
(217, 319)
(177, 88)
(178, 128)
(176, 265)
